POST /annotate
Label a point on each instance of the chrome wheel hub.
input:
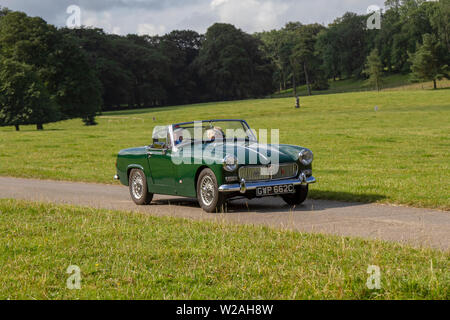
(137, 186)
(207, 190)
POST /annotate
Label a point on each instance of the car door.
(162, 169)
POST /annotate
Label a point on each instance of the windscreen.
(212, 131)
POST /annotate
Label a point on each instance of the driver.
(178, 136)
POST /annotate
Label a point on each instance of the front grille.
(255, 173)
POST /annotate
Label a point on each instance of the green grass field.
(398, 155)
(136, 256)
(391, 82)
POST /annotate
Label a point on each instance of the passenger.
(214, 134)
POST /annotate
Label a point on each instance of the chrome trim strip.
(253, 185)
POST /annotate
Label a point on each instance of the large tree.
(384, 40)
(23, 97)
(103, 57)
(343, 46)
(327, 46)
(440, 20)
(439, 16)
(133, 70)
(73, 83)
(182, 47)
(427, 63)
(232, 65)
(58, 60)
(305, 58)
(149, 69)
(374, 69)
(273, 45)
(403, 26)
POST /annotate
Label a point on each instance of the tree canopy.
(231, 64)
(56, 64)
(427, 62)
(79, 72)
(23, 96)
(374, 69)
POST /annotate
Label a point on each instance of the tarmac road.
(417, 227)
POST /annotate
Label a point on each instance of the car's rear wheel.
(138, 188)
(297, 198)
(208, 195)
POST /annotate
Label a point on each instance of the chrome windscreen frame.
(249, 131)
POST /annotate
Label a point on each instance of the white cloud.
(125, 21)
(150, 29)
(217, 3)
(251, 15)
(98, 19)
(117, 30)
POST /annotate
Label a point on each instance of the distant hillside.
(391, 83)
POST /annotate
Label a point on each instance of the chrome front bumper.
(244, 186)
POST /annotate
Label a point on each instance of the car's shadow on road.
(277, 205)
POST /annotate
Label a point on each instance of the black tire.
(208, 195)
(138, 188)
(298, 197)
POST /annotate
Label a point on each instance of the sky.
(153, 17)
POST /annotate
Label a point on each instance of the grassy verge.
(398, 154)
(134, 256)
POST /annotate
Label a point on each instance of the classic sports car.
(214, 161)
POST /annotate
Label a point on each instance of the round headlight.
(306, 157)
(230, 163)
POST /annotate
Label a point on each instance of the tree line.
(414, 37)
(49, 74)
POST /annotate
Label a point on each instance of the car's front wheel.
(297, 198)
(208, 195)
(138, 188)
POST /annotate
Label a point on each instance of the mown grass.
(442, 84)
(136, 256)
(393, 82)
(397, 155)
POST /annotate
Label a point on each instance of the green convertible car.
(214, 161)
